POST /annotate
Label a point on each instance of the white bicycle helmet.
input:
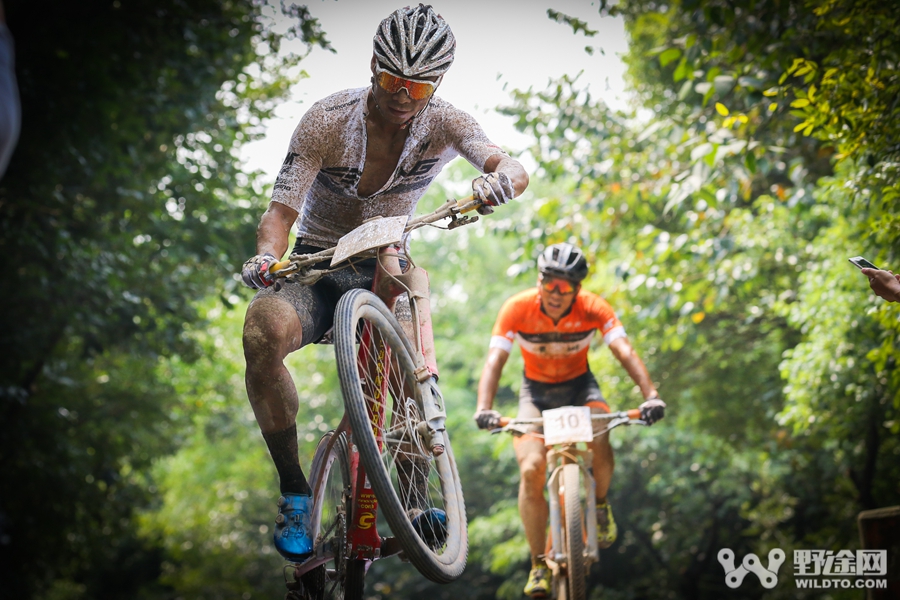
(563, 260)
(415, 42)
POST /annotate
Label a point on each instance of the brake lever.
(460, 221)
(624, 420)
(523, 429)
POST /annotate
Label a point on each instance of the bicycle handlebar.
(625, 417)
(449, 210)
(633, 414)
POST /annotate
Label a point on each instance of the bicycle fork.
(390, 282)
(568, 455)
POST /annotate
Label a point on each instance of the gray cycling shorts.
(537, 396)
(315, 304)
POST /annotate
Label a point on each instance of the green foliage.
(721, 232)
(576, 24)
(216, 493)
(122, 207)
(718, 223)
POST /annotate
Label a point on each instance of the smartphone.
(861, 263)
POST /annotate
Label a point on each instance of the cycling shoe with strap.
(538, 585)
(292, 535)
(606, 526)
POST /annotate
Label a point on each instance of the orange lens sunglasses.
(417, 89)
(560, 286)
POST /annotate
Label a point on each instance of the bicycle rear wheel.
(341, 578)
(385, 406)
(576, 570)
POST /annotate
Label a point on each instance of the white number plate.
(567, 425)
(376, 233)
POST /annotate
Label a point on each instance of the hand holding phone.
(862, 263)
(884, 283)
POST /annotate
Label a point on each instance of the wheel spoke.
(386, 414)
(339, 578)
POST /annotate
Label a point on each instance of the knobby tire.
(576, 571)
(406, 477)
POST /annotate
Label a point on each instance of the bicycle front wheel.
(341, 578)
(385, 406)
(576, 571)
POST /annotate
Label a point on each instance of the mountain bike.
(572, 543)
(391, 454)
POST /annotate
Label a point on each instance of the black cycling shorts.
(536, 396)
(315, 304)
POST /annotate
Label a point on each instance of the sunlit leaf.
(750, 162)
(701, 151)
(669, 55)
(681, 71)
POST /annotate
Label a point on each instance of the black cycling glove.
(487, 419)
(652, 410)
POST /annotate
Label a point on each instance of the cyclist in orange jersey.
(554, 324)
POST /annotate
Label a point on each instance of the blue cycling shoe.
(292, 535)
(431, 525)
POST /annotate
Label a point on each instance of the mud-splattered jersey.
(327, 153)
(554, 353)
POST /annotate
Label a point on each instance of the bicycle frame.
(389, 283)
(558, 456)
(365, 542)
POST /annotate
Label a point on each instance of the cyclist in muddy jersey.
(320, 177)
(356, 154)
(554, 324)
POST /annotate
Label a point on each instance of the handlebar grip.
(634, 414)
(468, 204)
(279, 265)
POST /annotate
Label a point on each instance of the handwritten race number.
(567, 425)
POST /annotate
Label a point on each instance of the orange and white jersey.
(554, 352)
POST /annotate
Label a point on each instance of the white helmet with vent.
(415, 42)
(563, 260)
